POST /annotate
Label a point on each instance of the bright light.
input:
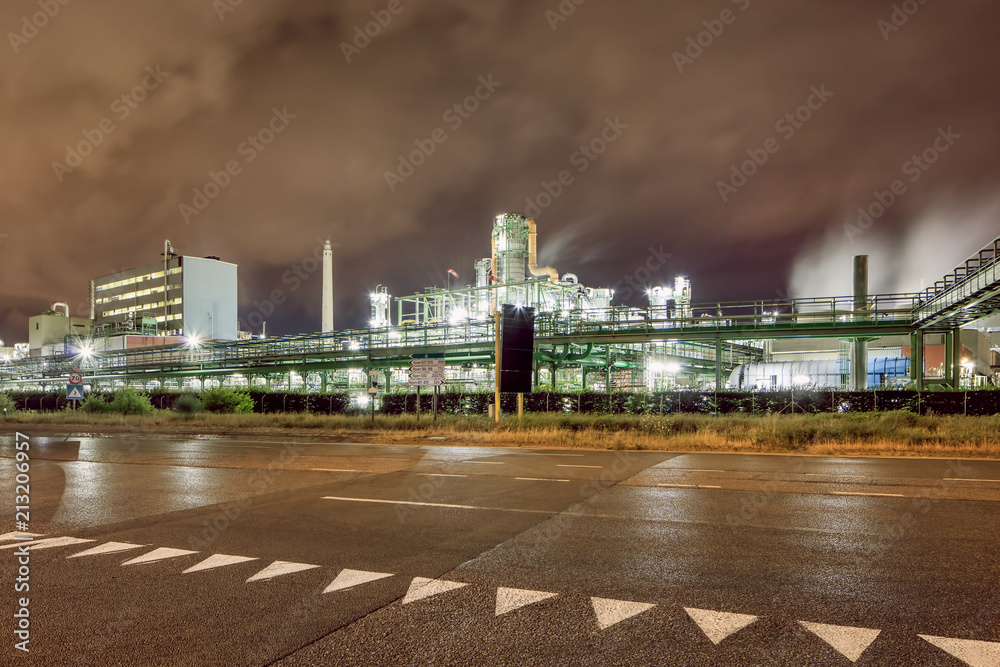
(801, 380)
(354, 346)
(395, 335)
(86, 351)
(192, 341)
(361, 400)
(457, 315)
(673, 368)
(657, 367)
(968, 363)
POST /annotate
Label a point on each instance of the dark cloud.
(325, 174)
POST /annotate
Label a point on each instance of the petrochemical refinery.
(172, 325)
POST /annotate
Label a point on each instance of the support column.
(859, 347)
(718, 364)
(956, 357)
(917, 359)
(949, 347)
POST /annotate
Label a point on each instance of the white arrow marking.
(279, 568)
(109, 548)
(217, 560)
(718, 625)
(973, 653)
(422, 587)
(163, 553)
(849, 641)
(509, 599)
(48, 543)
(15, 535)
(610, 612)
(350, 578)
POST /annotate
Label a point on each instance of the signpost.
(426, 370)
(74, 390)
(373, 391)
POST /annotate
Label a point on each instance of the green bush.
(225, 400)
(130, 402)
(6, 404)
(188, 405)
(95, 404)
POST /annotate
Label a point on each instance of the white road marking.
(217, 560)
(18, 536)
(109, 548)
(874, 495)
(973, 653)
(439, 474)
(697, 470)
(717, 625)
(689, 486)
(610, 612)
(443, 505)
(966, 479)
(851, 642)
(47, 543)
(333, 470)
(422, 587)
(162, 553)
(488, 463)
(539, 479)
(509, 599)
(827, 474)
(350, 578)
(567, 465)
(279, 568)
(534, 454)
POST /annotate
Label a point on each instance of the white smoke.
(938, 241)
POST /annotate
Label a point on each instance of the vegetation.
(227, 401)
(6, 404)
(188, 405)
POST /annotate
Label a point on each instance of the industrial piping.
(533, 258)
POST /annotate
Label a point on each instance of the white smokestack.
(327, 287)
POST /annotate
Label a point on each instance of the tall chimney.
(327, 287)
(859, 355)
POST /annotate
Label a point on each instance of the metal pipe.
(533, 256)
(65, 306)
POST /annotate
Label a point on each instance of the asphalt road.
(156, 550)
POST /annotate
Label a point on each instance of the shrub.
(130, 402)
(6, 404)
(95, 404)
(225, 400)
(188, 405)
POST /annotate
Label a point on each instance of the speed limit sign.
(75, 378)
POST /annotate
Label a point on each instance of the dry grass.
(882, 434)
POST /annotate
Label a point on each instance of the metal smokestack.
(327, 287)
(859, 356)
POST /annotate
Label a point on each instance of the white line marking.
(509, 599)
(540, 479)
(422, 587)
(163, 553)
(717, 625)
(851, 642)
(566, 465)
(573, 455)
(333, 470)
(442, 505)
(47, 543)
(868, 493)
(966, 479)
(974, 653)
(109, 548)
(19, 536)
(351, 578)
(610, 612)
(217, 560)
(699, 470)
(278, 568)
(489, 463)
(689, 486)
(439, 474)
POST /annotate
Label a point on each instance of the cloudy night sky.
(210, 75)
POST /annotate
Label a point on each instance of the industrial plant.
(172, 325)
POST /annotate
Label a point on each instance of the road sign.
(372, 390)
(426, 370)
(75, 378)
(432, 355)
(74, 392)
